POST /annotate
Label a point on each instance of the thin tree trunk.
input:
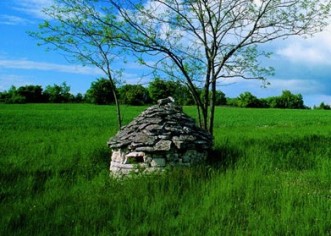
(212, 108)
(206, 104)
(117, 104)
(199, 115)
(205, 118)
(118, 110)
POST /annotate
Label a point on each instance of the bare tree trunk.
(118, 110)
(212, 107)
(199, 115)
(117, 104)
(205, 104)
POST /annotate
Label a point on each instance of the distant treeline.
(100, 93)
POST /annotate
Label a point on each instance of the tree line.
(100, 93)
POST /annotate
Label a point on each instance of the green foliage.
(31, 93)
(323, 106)
(100, 92)
(248, 100)
(159, 89)
(58, 93)
(220, 98)
(12, 96)
(134, 95)
(286, 100)
(78, 98)
(268, 175)
(35, 94)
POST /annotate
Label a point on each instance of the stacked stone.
(161, 135)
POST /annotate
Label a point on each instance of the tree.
(289, 100)
(247, 99)
(160, 88)
(57, 93)
(76, 30)
(78, 98)
(12, 96)
(134, 95)
(31, 93)
(286, 100)
(220, 98)
(100, 92)
(323, 106)
(196, 41)
(202, 42)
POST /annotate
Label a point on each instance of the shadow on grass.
(224, 157)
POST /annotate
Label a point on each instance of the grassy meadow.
(269, 174)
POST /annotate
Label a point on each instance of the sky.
(301, 65)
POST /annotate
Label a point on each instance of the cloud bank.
(33, 8)
(24, 64)
(313, 51)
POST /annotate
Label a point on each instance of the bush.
(134, 95)
(159, 89)
(100, 92)
(58, 93)
(323, 106)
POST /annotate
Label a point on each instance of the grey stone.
(154, 128)
(145, 139)
(163, 145)
(161, 135)
(145, 149)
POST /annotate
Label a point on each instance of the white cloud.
(34, 65)
(33, 8)
(304, 54)
(13, 20)
(315, 51)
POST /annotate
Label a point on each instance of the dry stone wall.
(160, 136)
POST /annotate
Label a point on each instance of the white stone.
(114, 169)
(122, 166)
(126, 171)
(135, 154)
(147, 159)
(116, 156)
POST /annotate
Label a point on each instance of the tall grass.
(268, 175)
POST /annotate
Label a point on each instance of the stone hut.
(160, 136)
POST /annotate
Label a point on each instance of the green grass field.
(268, 175)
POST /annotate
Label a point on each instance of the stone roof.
(162, 128)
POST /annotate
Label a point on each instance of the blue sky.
(302, 65)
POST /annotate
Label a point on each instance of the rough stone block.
(158, 162)
(135, 154)
(163, 145)
(118, 156)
